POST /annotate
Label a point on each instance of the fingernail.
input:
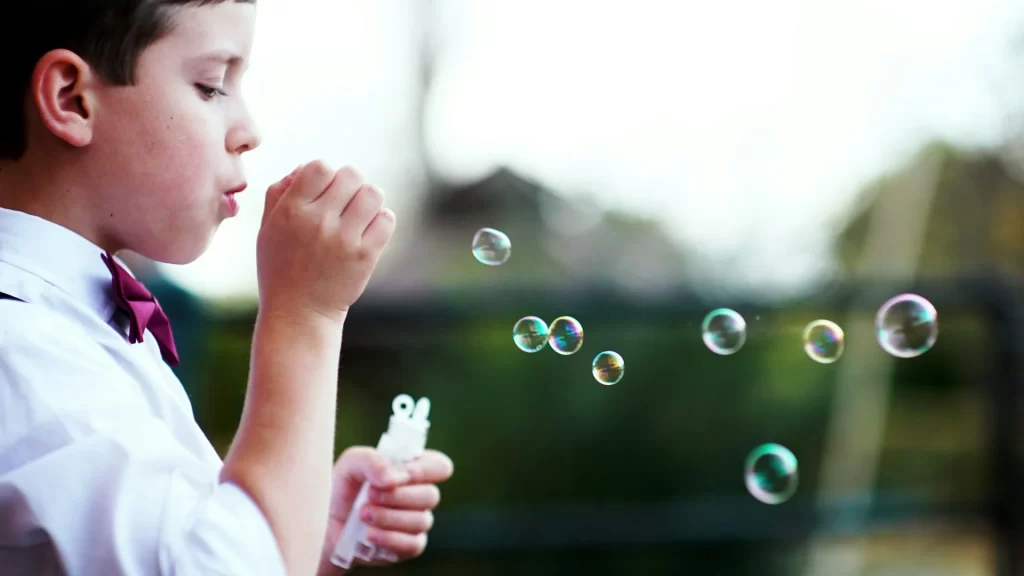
(366, 514)
(372, 536)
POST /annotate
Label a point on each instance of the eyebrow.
(221, 56)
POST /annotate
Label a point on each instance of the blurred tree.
(974, 220)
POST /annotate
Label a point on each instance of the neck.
(54, 194)
(141, 266)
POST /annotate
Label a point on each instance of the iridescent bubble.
(907, 326)
(771, 473)
(609, 368)
(530, 334)
(491, 247)
(724, 331)
(566, 335)
(824, 341)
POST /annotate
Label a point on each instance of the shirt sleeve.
(85, 465)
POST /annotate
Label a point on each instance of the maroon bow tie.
(143, 310)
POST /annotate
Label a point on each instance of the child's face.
(168, 148)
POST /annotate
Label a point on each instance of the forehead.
(219, 31)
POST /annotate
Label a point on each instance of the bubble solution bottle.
(405, 441)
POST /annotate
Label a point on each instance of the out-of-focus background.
(652, 161)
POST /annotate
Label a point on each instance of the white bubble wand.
(405, 441)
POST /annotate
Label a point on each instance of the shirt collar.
(59, 257)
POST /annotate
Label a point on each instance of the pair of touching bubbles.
(906, 326)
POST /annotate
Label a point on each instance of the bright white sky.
(743, 125)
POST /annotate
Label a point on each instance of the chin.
(194, 253)
(183, 252)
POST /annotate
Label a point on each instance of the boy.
(122, 127)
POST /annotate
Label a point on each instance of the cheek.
(172, 178)
(162, 159)
(181, 161)
(186, 143)
(169, 133)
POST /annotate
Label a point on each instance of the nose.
(243, 136)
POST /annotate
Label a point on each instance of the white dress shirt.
(103, 469)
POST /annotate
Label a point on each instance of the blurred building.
(556, 242)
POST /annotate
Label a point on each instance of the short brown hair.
(108, 34)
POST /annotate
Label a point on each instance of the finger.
(381, 557)
(432, 467)
(411, 497)
(339, 193)
(385, 555)
(401, 543)
(408, 521)
(360, 211)
(380, 230)
(311, 181)
(357, 465)
(274, 193)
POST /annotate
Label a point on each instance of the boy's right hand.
(322, 234)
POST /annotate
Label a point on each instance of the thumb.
(357, 465)
(274, 193)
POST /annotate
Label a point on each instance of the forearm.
(282, 454)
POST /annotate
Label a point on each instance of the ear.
(61, 91)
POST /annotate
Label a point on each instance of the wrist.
(303, 316)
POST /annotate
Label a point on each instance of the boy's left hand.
(398, 512)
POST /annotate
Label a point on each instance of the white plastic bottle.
(405, 440)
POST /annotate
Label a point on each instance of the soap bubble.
(771, 473)
(530, 334)
(824, 341)
(724, 331)
(566, 335)
(907, 326)
(609, 368)
(491, 247)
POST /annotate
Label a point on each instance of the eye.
(209, 92)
